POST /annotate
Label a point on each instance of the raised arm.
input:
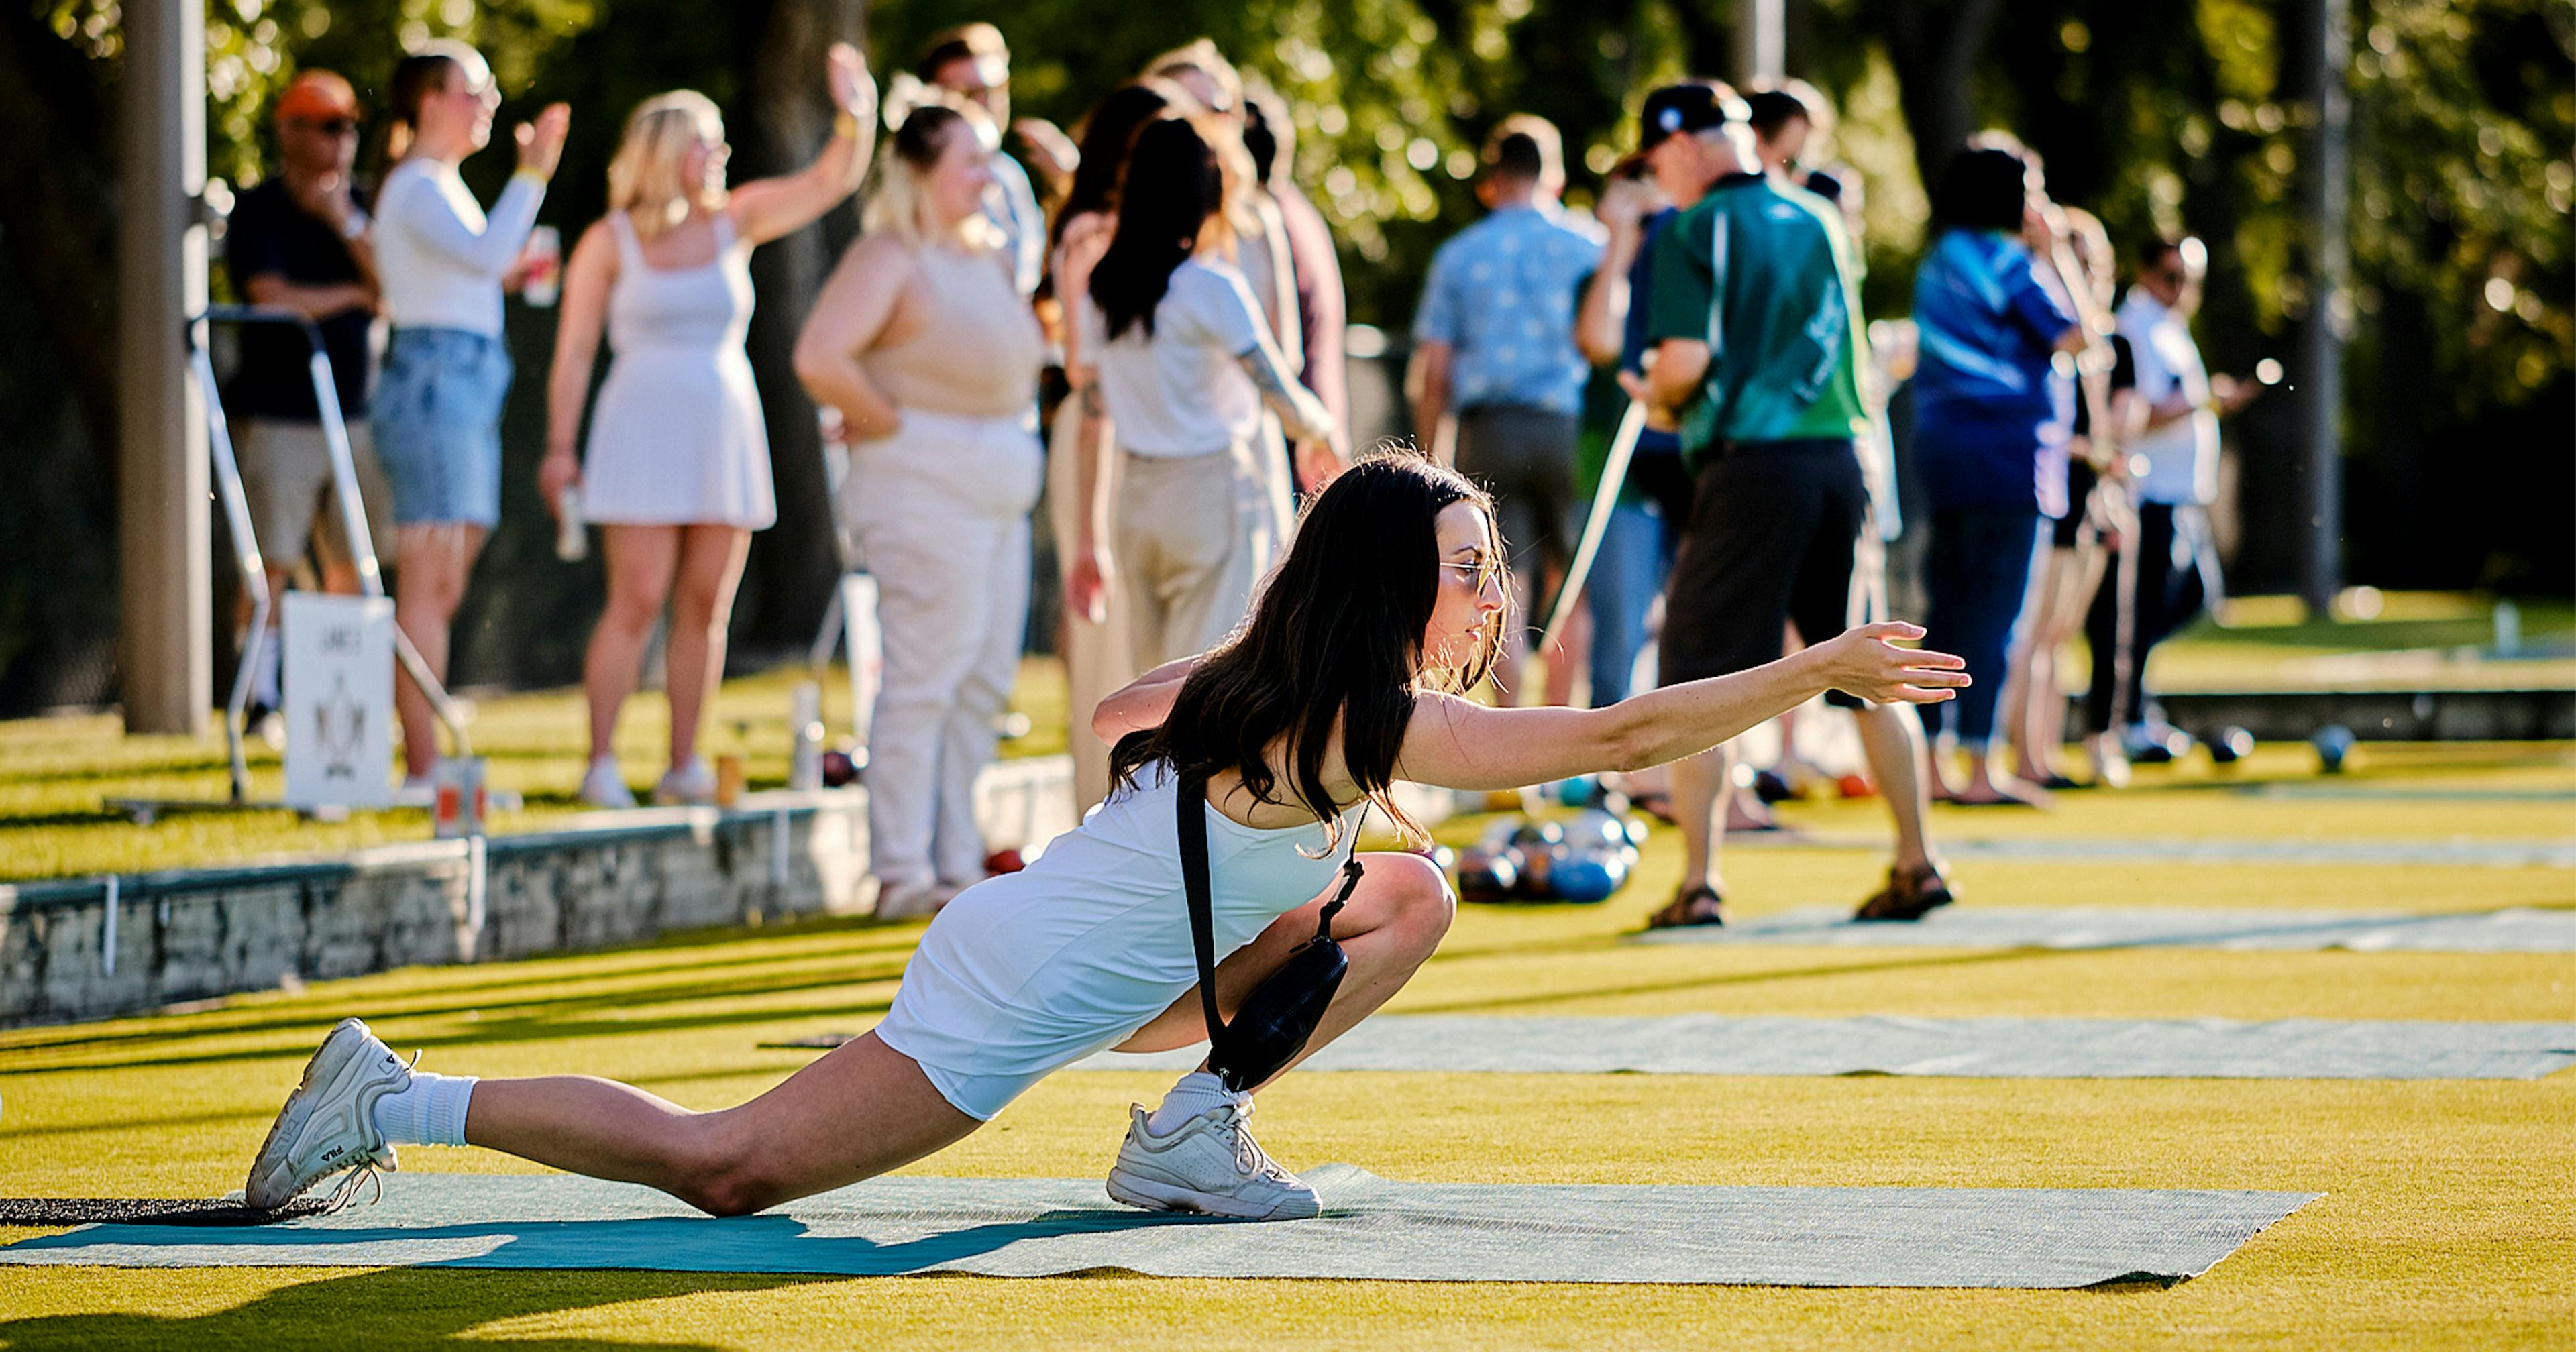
(849, 316)
(428, 218)
(768, 208)
(1457, 743)
(589, 275)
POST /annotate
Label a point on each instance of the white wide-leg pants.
(941, 510)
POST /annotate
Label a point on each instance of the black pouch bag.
(1280, 1014)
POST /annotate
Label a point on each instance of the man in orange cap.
(298, 241)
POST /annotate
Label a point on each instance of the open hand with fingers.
(1868, 662)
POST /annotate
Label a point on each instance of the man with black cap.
(1757, 358)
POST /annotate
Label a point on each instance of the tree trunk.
(795, 564)
(1934, 48)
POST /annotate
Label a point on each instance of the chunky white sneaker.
(693, 785)
(1209, 1165)
(329, 1122)
(605, 786)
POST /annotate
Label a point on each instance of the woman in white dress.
(1389, 602)
(922, 341)
(678, 471)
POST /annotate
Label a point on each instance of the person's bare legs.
(711, 559)
(640, 560)
(1701, 786)
(862, 1109)
(2040, 729)
(1892, 740)
(1395, 918)
(437, 558)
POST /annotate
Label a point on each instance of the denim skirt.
(436, 416)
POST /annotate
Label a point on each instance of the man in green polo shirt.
(1757, 360)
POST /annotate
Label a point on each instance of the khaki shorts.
(286, 475)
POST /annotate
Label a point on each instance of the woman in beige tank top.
(922, 342)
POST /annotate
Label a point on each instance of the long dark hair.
(1172, 185)
(1334, 641)
(1107, 132)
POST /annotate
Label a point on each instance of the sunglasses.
(333, 126)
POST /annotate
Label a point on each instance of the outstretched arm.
(1457, 743)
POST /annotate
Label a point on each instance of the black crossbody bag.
(1280, 1014)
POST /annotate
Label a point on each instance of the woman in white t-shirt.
(1184, 366)
(436, 411)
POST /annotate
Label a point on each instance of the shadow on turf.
(392, 1307)
(1550, 997)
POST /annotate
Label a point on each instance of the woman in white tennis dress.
(678, 467)
(1389, 601)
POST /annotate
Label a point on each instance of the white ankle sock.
(430, 1111)
(1197, 1092)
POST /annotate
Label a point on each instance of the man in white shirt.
(2174, 463)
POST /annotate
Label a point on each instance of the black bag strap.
(1191, 805)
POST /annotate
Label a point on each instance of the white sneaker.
(693, 785)
(605, 787)
(329, 1122)
(1210, 1165)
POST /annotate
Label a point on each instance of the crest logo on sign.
(339, 669)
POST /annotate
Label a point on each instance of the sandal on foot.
(1700, 905)
(1910, 894)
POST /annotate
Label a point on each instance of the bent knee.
(1416, 892)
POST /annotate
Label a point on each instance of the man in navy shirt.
(298, 242)
(1494, 341)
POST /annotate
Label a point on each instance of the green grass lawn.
(2449, 1215)
(57, 774)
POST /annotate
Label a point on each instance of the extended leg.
(859, 1111)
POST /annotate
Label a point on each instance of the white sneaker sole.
(1150, 1195)
(343, 1050)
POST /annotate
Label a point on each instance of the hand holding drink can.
(541, 267)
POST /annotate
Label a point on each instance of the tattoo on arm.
(1303, 413)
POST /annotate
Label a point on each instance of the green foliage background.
(2160, 117)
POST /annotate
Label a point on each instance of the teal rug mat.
(1372, 1228)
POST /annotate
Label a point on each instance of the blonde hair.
(901, 206)
(645, 180)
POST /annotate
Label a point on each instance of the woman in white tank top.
(922, 341)
(677, 475)
(1390, 600)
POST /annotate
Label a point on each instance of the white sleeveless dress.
(1028, 972)
(676, 436)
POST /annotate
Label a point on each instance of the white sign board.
(339, 700)
(867, 649)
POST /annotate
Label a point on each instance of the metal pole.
(1761, 41)
(165, 545)
(2325, 201)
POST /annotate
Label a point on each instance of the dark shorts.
(1773, 540)
(1525, 458)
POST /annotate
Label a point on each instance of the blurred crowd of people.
(1142, 324)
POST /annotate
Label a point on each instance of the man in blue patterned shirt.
(1494, 341)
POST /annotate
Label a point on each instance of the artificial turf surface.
(2449, 1217)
